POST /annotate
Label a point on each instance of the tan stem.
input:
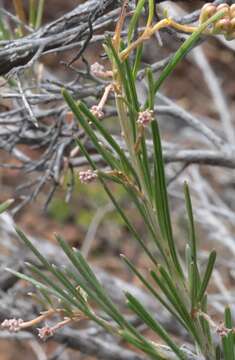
(38, 319)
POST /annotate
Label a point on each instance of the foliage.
(179, 285)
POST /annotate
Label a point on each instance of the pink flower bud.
(97, 112)
(13, 325)
(226, 9)
(222, 26)
(45, 332)
(222, 330)
(145, 117)
(223, 7)
(87, 176)
(206, 12)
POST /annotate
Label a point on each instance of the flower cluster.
(222, 330)
(13, 325)
(225, 25)
(45, 332)
(145, 117)
(97, 111)
(87, 176)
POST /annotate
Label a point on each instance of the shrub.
(179, 285)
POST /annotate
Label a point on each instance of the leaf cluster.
(178, 284)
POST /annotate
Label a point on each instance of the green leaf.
(229, 339)
(147, 318)
(121, 69)
(218, 354)
(134, 20)
(206, 325)
(228, 322)
(194, 286)
(108, 157)
(132, 88)
(192, 232)
(145, 167)
(4, 30)
(207, 275)
(152, 290)
(118, 208)
(130, 227)
(99, 293)
(161, 201)
(128, 168)
(36, 283)
(91, 282)
(58, 291)
(195, 280)
(46, 297)
(30, 245)
(39, 15)
(146, 348)
(228, 347)
(137, 61)
(32, 13)
(151, 93)
(151, 4)
(184, 49)
(4, 206)
(173, 296)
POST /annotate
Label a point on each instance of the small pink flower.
(222, 330)
(87, 176)
(96, 111)
(45, 332)
(206, 12)
(145, 117)
(223, 25)
(97, 69)
(13, 325)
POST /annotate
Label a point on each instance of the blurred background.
(203, 85)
